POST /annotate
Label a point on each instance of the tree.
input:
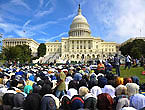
(41, 50)
(20, 53)
(135, 48)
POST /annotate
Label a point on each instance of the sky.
(49, 20)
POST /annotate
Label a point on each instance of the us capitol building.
(80, 45)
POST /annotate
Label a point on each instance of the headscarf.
(29, 82)
(132, 88)
(77, 76)
(135, 79)
(92, 82)
(127, 80)
(32, 102)
(48, 103)
(68, 79)
(83, 82)
(18, 100)
(102, 81)
(77, 102)
(46, 89)
(5, 107)
(73, 84)
(128, 108)
(121, 90)
(55, 99)
(65, 102)
(96, 90)
(122, 102)
(31, 77)
(105, 101)
(8, 99)
(83, 91)
(90, 101)
(109, 89)
(71, 92)
(27, 89)
(137, 101)
(119, 81)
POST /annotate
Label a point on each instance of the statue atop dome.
(79, 10)
(79, 6)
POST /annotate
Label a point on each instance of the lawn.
(132, 72)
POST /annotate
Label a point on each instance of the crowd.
(69, 87)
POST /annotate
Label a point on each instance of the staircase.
(54, 57)
(47, 58)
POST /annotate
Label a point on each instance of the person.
(105, 102)
(121, 99)
(101, 67)
(61, 85)
(117, 64)
(142, 61)
(128, 62)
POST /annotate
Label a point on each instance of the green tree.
(20, 53)
(136, 48)
(41, 50)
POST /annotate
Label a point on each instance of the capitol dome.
(79, 26)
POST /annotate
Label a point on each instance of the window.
(77, 46)
(72, 46)
(89, 47)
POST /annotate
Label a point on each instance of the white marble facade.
(9, 42)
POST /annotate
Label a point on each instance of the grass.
(132, 72)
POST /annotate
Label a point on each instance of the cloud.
(41, 3)
(119, 19)
(67, 17)
(21, 3)
(41, 26)
(43, 13)
(44, 33)
(9, 36)
(22, 33)
(58, 36)
(8, 27)
(26, 23)
(49, 1)
(1, 19)
(52, 38)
